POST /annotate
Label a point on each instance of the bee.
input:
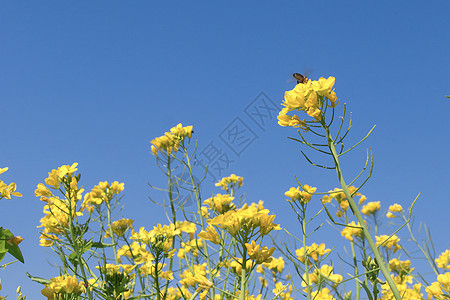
(300, 78)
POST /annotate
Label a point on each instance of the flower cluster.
(246, 219)
(170, 141)
(314, 252)
(352, 230)
(8, 190)
(440, 289)
(443, 261)
(230, 183)
(371, 208)
(307, 97)
(396, 208)
(61, 285)
(303, 197)
(389, 242)
(59, 212)
(102, 193)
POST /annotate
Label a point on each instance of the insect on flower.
(300, 78)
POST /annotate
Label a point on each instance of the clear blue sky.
(94, 81)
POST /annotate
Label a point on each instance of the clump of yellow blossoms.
(443, 261)
(403, 283)
(229, 183)
(325, 272)
(8, 190)
(338, 195)
(389, 242)
(220, 203)
(400, 267)
(396, 208)
(308, 97)
(371, 208)
(61, 285)
(440, 290)
(103, 192)
(352, 230)
(119, 227)
(170, 141)
(323, 294)
(59, 212)
(314, 252)
(246, 219)
(303, 197)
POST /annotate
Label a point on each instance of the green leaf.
(38, 279)
(14, 250)
(2, 254)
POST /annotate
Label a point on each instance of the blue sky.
(94, 81)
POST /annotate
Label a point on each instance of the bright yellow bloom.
(390, 243)
(249, 217)
(103, 192)
(282, 291)
(210, 235)
(350, 232)
(400, 267)
(258, 254)
(314, 252)
(304, 196)
(193, 245)
(220, 203)
(170, 141)
(439, 290)
(119, 227)
(276, 265)
(228, 183)
(8, 190)
(323, 294)
(443, 261)
(307, 97)
(371, 208)
(396, 208)
(63, 284)
(236, 265)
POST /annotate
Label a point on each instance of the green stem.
(308, 287)
(111, 233)
(202, 221)
(358, 216)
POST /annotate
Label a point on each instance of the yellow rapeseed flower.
(228, 183)
(371, 208)
(351, 231)
(443, 261)
(210, 235)
(390, 243)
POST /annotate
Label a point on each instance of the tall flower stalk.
(315, 98)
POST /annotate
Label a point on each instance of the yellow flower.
(64, 285)
(220, 203)
(396, 208)
(439, 290)
(303, 196)
(210, 235)
(323, 294)
(400, 267)
(228, 183)
(170, 141)
(388, 242)
(443, 261)
(119, 227)
(350, 232)
(371, 208)
(276, 265)
(259, 255)
(315, 252)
